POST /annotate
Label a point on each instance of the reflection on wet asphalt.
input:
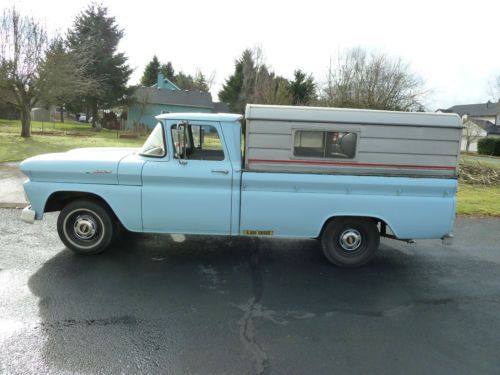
(208, 305)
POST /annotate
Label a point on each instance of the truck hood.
(83, 165)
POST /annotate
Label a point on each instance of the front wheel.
(350, 242)
(85, 227)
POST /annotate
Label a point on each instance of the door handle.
(225, 171)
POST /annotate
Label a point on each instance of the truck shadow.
(151, 302)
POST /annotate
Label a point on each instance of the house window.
(324, 144)
(197, 142)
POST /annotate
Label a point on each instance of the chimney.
(161, 81)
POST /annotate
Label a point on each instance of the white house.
(480, 120)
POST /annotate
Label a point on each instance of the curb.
(13, 205)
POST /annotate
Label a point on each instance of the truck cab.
(198, 173)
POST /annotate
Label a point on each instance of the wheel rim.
(83, 228)
(350, 240)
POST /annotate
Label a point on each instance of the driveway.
(11, 185)
(240, 306)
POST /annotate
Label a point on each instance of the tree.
(150, 75)
(230, 92)
(271, 89)
(375, 81)
(23, 42)
(62, 76)
(253, 82)
(496, 89)
(471, 132)
(96, 35)
(188, 82)
(302, 88)
(168, 71)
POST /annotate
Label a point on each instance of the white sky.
(453, 45)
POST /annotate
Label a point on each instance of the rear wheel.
(350, 242)
(85, 227)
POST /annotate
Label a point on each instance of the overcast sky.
(453, 45)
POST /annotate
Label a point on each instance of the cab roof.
(184, 116)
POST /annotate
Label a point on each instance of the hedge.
(489, 146)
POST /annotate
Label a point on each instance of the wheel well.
(60, 199)
(379, 222)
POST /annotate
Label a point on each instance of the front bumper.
(28, 215)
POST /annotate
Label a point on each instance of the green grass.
(14, 148)
(483, 161)
(478, 200)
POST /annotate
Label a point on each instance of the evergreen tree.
(96, 35)
(168, 71)
(302, 88)
(150, 75)
(231, 90)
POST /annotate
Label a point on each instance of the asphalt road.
(240, 306)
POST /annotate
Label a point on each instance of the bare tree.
(23, 42)
(496, 89)
(271, 89)
(471, 132)
(33, 68)
(368, 80)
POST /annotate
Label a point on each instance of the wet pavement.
(240, 306)
(11, 186)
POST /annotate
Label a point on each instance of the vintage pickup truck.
(343, 176)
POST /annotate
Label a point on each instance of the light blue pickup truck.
(346, 177)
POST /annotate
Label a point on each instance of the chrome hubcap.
(350, 239)
(85, 227)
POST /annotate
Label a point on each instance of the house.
(40, 114)
(480, 120)
(165, 97)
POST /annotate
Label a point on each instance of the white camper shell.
(351, 141)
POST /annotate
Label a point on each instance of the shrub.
(489, 146)
(478, 173)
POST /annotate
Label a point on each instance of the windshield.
(155, 144)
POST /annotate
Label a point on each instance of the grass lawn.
(14, 148)
(493, 162)
(478, 200)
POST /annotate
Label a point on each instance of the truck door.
(190, 190)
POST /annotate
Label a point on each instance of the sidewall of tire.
(332, 249)
(105, 220)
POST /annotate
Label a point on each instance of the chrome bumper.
(28, 215)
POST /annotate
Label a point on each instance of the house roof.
(488, 126)
(474, 110)
(166, 84)
(221, 107)
(152, 95)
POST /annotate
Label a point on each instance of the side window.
(197, 142)
(324, 144)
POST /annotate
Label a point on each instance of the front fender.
(124, 200)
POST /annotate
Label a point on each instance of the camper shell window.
(325, 144)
